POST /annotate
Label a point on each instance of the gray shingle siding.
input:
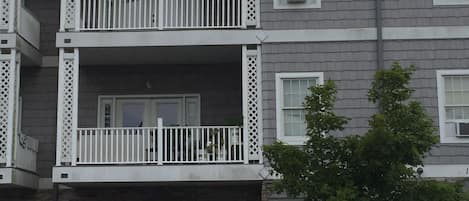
(48, 14)
(350, 64)
(333, 14)
(39, 94)
(423, 13)
(220, 95)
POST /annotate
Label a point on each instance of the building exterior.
(174, 99)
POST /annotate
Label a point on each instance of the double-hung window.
(453, 103)
(291, 90)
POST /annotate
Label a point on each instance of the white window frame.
(283, 4)
(444, 137)
(450, 2)
(279, 77)
(112, 99)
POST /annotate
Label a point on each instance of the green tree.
(376, 166)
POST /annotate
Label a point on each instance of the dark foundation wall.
(219, 87)
(189, 192)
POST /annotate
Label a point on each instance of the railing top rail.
(165, 127)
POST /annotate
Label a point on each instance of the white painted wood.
(420, 33)
(67, 106)
(11, 15)
(450, 2)
(240, 37)
(293, 140)
(142, 14)
(173, 173)
(446, 135)
(446, 171)
(14, 177)
(175, 145)
(11, 107)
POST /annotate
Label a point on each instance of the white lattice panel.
(7, 87)
(4, 14)
(69, 13)
(252, 12)
(252, 96)
(67, 100)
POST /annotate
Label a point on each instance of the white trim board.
(145, 174)
(446, 171)
(450, 2)
(418, 33)
(241, 37)
(18, 178)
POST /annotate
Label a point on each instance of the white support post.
(69, 10)
(67, 107)
(251, 13)
(11, 16)
(62, 14)
(77, 17)
(8, 93)
(244, 10)
(161, 14)
(160, 141)
(252, 108)
(244, 79)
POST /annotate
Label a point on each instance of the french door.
(145, 112)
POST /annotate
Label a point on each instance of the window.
(296, 4)
(143, 111)
(450, 2)
(292, 88)
(453, 105)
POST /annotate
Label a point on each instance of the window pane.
(457, 113)
(457, 90)
(132, 114)
(294, 123)
(169, 113)
(295, 91)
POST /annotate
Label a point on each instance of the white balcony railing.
(160, 145)
(160, 14)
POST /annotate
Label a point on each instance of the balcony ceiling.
(160, 55)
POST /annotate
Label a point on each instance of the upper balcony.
(144, 23)
(118, 15)
(20, 29)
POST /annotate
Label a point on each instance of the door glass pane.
(132, 114)
(169, 113)
(191, 112)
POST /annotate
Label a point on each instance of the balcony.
(189, 114)
(18, 161)
(113, 15)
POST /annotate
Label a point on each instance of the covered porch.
(196, 110)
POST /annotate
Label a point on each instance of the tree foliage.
(378, 165)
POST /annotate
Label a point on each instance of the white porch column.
(69, 14)
(252, 103)
(251, 13)
(9, 73)
(67, 106)
(7, 15)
